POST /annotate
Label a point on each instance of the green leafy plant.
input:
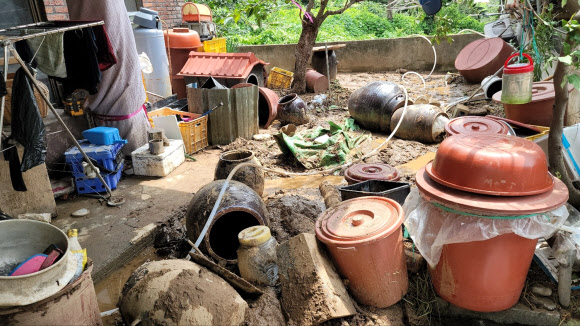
(570, 55)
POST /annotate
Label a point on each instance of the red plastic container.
(491, 164)
(181, 42)
(482, 58)
(364, 238)
(484, 275)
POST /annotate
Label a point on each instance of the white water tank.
(150, 41)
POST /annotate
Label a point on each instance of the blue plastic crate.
(91, 186)
(106, 156)
(103, 136)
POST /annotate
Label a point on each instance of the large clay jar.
(179, 292)
(292, 109)
(250, 176)
(372, 105)
(240, 208)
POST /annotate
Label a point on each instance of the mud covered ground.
(295, 211)
(440, 89)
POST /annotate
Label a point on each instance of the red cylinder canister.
(365, 240)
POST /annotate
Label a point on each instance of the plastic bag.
(431, 227)
(27, 126)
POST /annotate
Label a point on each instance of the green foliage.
(280, 24)
(571, 56)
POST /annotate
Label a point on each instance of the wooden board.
(38, 198)
(238, 117)
(331, 47)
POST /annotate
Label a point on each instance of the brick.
(312, 291)
(61, 9)
(57, 17)
(49, 9)
(54, 2)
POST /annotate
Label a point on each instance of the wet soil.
(440, 90)
(292, 215)
(294, 211)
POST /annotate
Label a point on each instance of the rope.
(515, 217)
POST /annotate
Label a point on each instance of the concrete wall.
(412, 53)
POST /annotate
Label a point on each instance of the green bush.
(366, 20)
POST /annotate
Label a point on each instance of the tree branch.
(340, 11)
(557, 166)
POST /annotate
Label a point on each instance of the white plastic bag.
(431, 227)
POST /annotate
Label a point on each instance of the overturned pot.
(252, 177)
(240, 208)
(179, 292)
(422, 122)
(372, 105)
(292, 109)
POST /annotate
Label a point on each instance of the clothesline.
(6, 38)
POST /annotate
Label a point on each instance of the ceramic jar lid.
(371, 171)
(475, 125)
(497, 165)
(359, 220)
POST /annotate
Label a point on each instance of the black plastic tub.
(397, 191)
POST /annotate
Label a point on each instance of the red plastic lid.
(518, 68)
(479, 53)
(371, 171)
(491, 205)
(475, 125)
(359, 220)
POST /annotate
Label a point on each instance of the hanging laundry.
(27, 126)
(105, 52)
(11, 155)
(49, 54)
(82, 66)
(25, 52)
(3, 91)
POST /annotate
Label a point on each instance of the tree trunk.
(556, 163)
(303, 53)
(390, 14)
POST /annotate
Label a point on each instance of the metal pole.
(328, 72)
(47, 100)
(6, 57)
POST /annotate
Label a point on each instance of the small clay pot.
(250, 176)
(292, 109)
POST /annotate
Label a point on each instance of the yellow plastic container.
(217, 45)
(280, 78)
(194, 131)
(545, 131)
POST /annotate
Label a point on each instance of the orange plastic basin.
(485, 275)
(364, 238)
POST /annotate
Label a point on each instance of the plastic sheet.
(27, 125)
(431, 227)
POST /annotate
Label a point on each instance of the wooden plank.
(38, 198)
(331, 47)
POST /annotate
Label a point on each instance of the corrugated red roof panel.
(220, 65)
